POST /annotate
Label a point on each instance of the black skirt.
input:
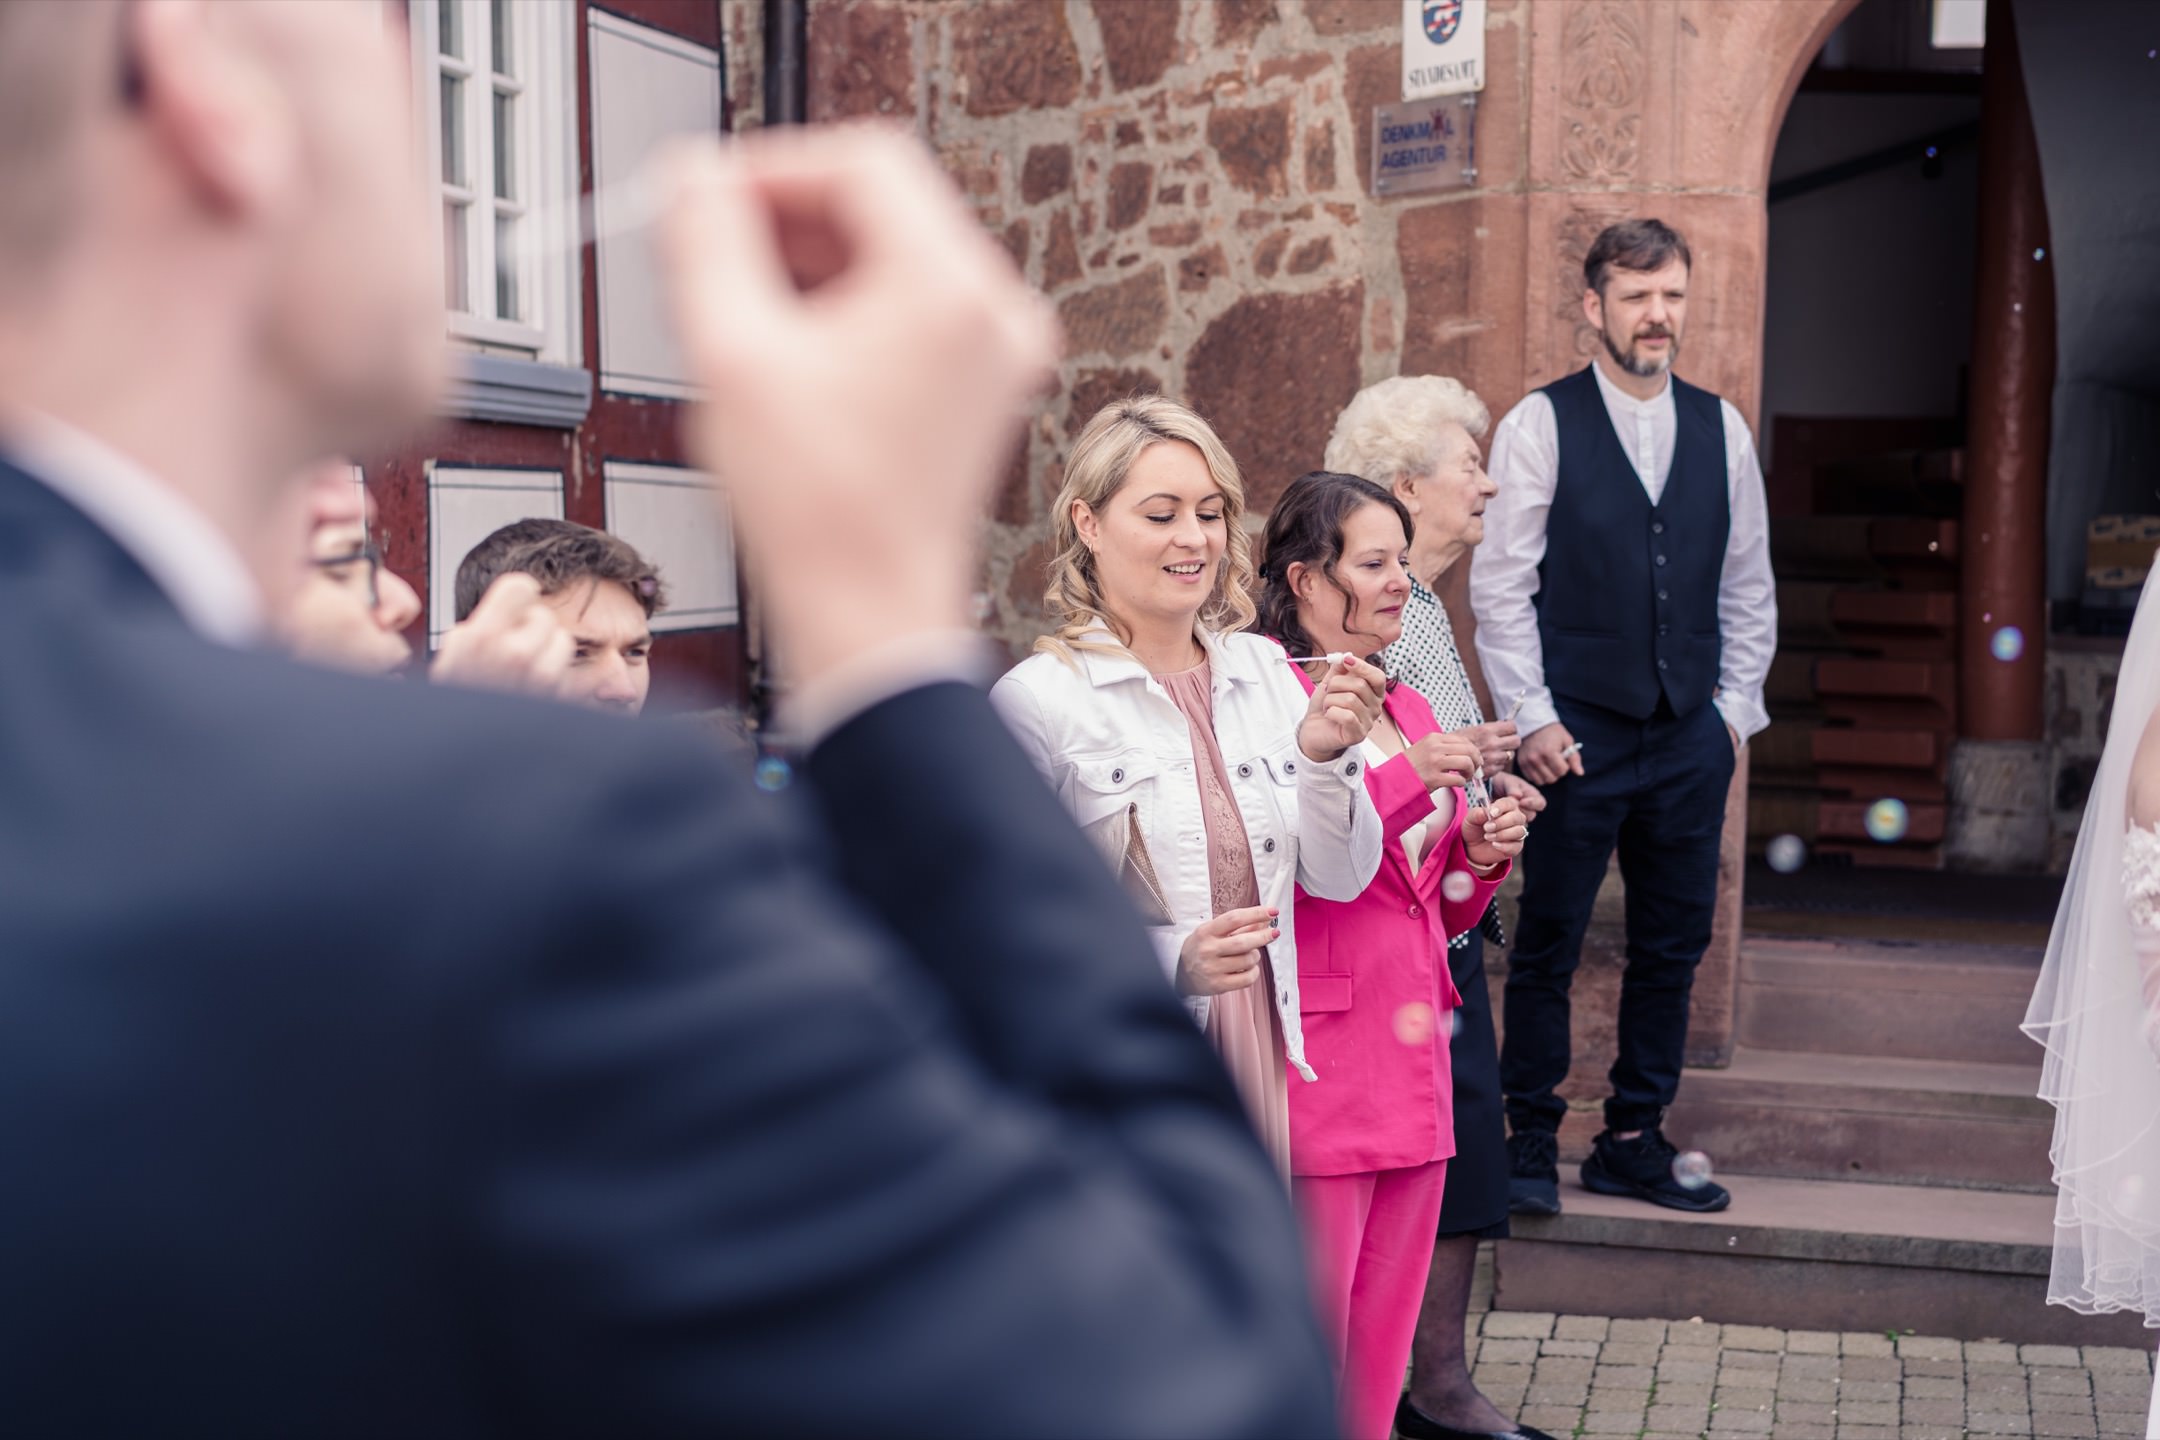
(1475, 1202)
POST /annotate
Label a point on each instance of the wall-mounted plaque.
(1424, 145)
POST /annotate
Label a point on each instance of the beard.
(1635, 364)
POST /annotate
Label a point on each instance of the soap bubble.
(1413, 1023)
(1458, 885)
(1691, 1170)
(1786, 854)
(1887, 820)
(2007, 643)
(2040, 254)
(773, 773)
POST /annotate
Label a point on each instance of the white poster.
(1443, 47)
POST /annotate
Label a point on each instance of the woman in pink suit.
(1370, 1138)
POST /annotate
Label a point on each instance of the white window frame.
(544, 35)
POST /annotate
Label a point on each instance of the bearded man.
(1624, 590)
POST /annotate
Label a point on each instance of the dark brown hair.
(1306, 527)
(1633, 245)
(558, 554)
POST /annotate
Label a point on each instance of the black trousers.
(1655, 789)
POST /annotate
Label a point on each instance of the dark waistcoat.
(1627, 596)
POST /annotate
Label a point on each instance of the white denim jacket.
(1115, 746)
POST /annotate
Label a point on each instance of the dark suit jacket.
(389, 1062)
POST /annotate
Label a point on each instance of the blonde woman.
(1188, 751)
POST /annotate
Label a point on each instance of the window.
(646, 87)
(467, 506)
(675, 520)
(497, 84)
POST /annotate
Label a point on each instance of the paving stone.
(1866, 1432)
(1749, 1398)
(1558, 1367)
(1560, 1419)
(1990, 1352)
(1753, 1337)
(1563, 1392)
(1612, 1422)
(1574, 1349)
(1996, 1384)
(1993, 1367)
(1854, 1342)
(1810, 1365)
(2117, 1357)
(1636, 1332)
(1946, 1368)
(1869, 1390)
(1808, 1390)
(1618, 1352)
(2122, 1422)
(2122, 1382)
(1632, 1375)
(1684, 1395)
(1750, 1360)
(1740, 1422)
(1692, 1418)
(1784, 1431)
(1870, 1368)
(1580, 1327)
(1490, 1375)
(2058, 1403)
(1672, 1435)
(1929, 1347)
(1692, 1332)
(1811, 1342)
(1867, 1413)
(1926, 1387)
(1809, 1414)
(1517, 1325)
(1933, 1432)
(1684, 1372)
(2064, 1425)
(2049, 1355)
(1934, 1412)
(2048, 1381)
(1507, 1352)
(1998, 1422)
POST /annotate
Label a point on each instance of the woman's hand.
(1345, 703)
(1445, 760)
(1223, 954)
(1491, 836)
(1496, 742)
(1524, 793)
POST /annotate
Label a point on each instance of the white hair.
(1391, 431)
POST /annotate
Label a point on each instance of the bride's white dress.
(2141, 891)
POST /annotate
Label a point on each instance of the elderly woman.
(1417, 435)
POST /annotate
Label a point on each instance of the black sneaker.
(1533, 1173)
(1643, 1169)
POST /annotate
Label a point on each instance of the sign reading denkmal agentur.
(1443, 47)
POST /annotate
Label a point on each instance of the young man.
(401, 1060)
(602, 591)
(1624, 584)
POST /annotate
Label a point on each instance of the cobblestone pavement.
(1573, 1375)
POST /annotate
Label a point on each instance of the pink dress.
(1242, 1024)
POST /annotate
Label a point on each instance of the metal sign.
(1424, 145)
(1443, 47)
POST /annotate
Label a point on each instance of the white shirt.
(1504, 568)
(1115, 747)
(182, 552)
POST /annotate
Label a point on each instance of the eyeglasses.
(366, 554)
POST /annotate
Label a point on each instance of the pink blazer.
(1375, 991)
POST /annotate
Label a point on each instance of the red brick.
(1174, 235)
(1310, 256)
(859, 61)
(1253, 145)
(1015, 56)
(1061, 253)
(1271, 373)
(1139, 39)
(1123, 318)
(1132, 185)
(1267, 255)
(1047, 171)
(1197, 271)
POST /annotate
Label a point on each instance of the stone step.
(1877, 1120)
(1807, 1255)
(1902, 1001)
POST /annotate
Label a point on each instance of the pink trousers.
(1369, 1243)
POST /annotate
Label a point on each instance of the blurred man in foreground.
(395, 1060)
(598, 586)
